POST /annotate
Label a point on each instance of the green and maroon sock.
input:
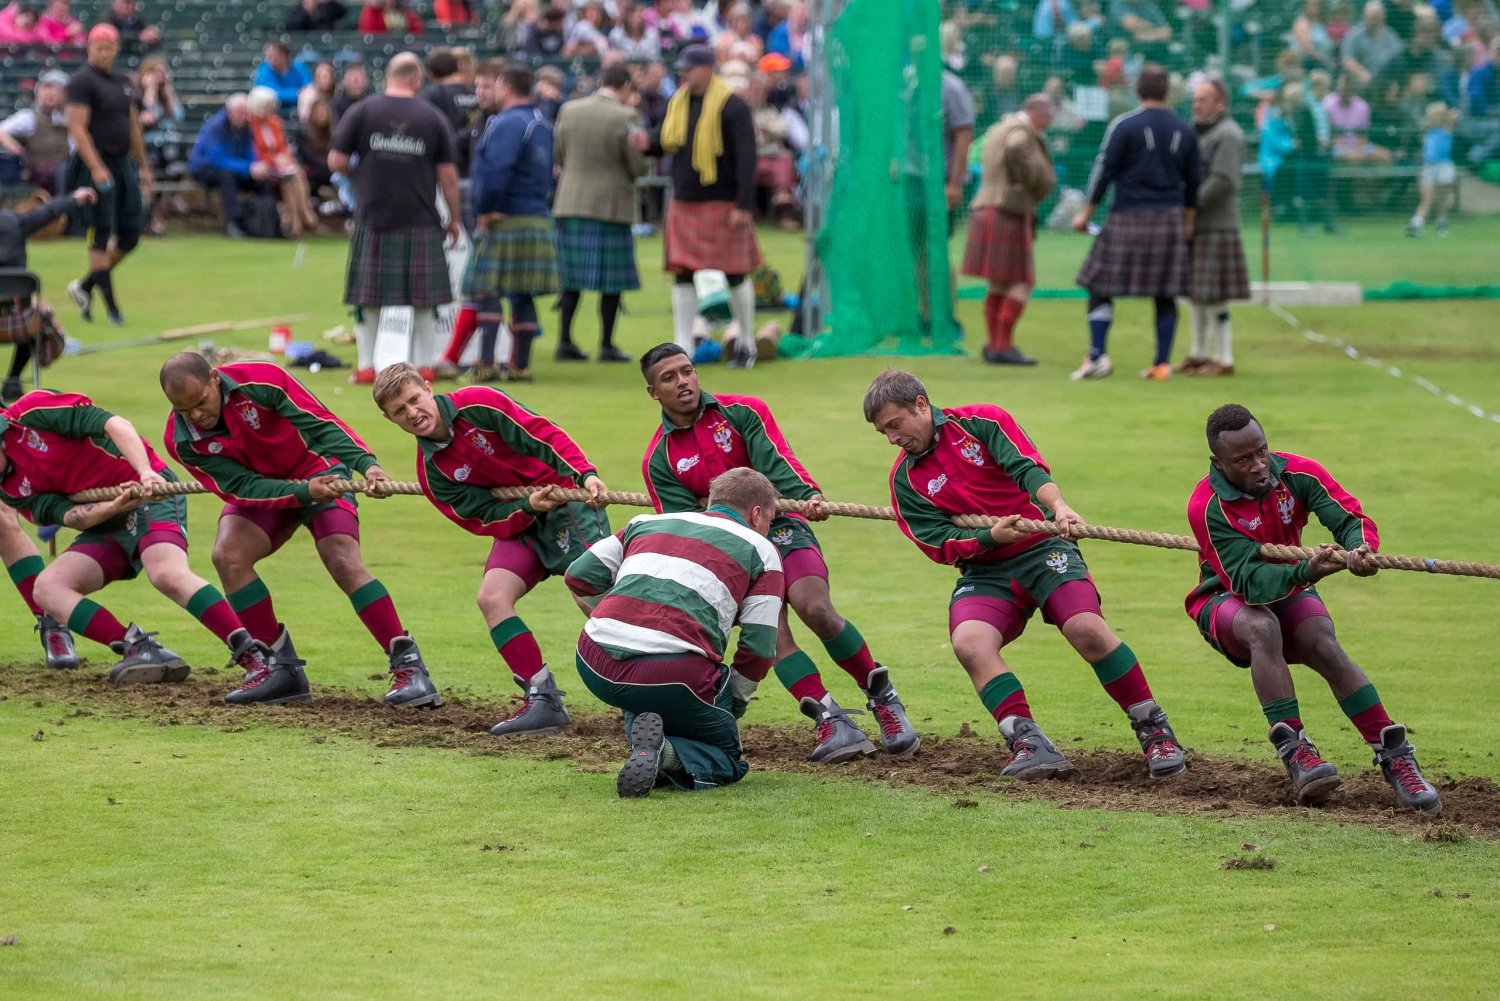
(94, 621)
(373, 604)
(209, 607)
(800, 675)
(1003, 696)
(517, 647)
(1364, 710)
(23, 574)
(850, 651)
(1121, 675)
(252, 603)
(1283, 711)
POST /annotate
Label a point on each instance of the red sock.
(992, 320)
(464, 325)
(1295, 722)
(210, 608)
(381, 620)
(1014, 704)
(523, 656)
(1008, 314)
(1131, 689)
(1370, 722)
(24, 573)
(252, 605)
(96, 623)
(859, 666)
(808, 687)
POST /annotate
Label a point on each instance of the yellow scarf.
(708, 141)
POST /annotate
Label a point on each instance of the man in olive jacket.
(1017, 176)
(595, 206)
(1219, 272)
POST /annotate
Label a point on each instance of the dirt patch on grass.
(963, 766)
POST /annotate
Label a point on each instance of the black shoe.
(611, 353)
(57, 643)
(1010, 356)
(1032, 755)
(541, 711)
(411, 687)
(146, 662)
(83, 299)
(1313, 779)
(1398, 763)
(11, 391)
(1164, 757)
(639, 773)
(276, 680)
(568, 351)
(234, 232)
(116, 318)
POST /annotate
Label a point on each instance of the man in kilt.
(1218, 255)
(1017, 176)
(509, 183)
(710, 221)
(405, 154)
(1150, 156)
(596, 204)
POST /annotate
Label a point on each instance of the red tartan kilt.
(699, 238)
(999, 247)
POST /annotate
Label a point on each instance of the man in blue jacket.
(281, 74)
(223, 157)
(510, 178)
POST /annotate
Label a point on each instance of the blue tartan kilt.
(596, 256)
(514, 255)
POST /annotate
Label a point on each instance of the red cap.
(774, 62)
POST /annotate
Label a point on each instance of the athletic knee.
(1258, 628)
(230, 563)
(52, 589)
(821, 617)
(1090, 636)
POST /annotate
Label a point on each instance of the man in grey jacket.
(595, 205)
(1218, 254)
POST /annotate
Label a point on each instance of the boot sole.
(68, 665)
(279, 701)
(845, 754)
(151, 674)
(1041, 773)
(638, 775)
(432, 701)
(1317, 792)
(906, 753)
(1163, 776)
(545, 731)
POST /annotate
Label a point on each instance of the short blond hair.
(742, 489)
(392, 380)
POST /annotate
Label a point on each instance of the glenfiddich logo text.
(405, 145)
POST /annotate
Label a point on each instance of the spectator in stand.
(313, 146)
(1319, 86)
(272, 149)
(1425, 53)
(1480, 96)
(713, 19)
(324, 87)
(454, 13)
(548, 37)
(1081, 50)
(315, 15)
(1310, 37)
(789, 38)
(1370, 46)
(1392, 126)
(586, 39)
(737, 40)
(18, 25)
(1142, 20)
(672, 21)
(58, 26)
(279, 73)
(547, 92)
(1401, 15)
(1052, 19)
(775, 166)
(1439, 175)
(37, 137)
(448, 93)
(650, 98)
(224, 158)
(160, 113)
(517, 24)
(1006, 96)
(135, 34)
(382, 17)
(353, 88)
(1349, 117)
(1308, 162)
(634, 39)
(1462, 27)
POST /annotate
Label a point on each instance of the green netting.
(884, 241)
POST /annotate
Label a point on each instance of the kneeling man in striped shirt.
(662, 595)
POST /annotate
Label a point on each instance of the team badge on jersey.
(481, 442)
(1057, 562)
(936, 484)
(686, 463)
(462, 473)
(1285, 505)
(34, 440)
(564, 540)
(723, 436)
(250, 414)
(131, 522)
(1250, 526)
(971, 452)
(25, 488)
(216, 447)
(782, 536)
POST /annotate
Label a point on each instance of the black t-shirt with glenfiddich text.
(399, 141)
(108, 96)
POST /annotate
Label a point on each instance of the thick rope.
(1104, 533)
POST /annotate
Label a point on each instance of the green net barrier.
(887, 216)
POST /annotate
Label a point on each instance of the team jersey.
(677, 583)
(273, 436)
(980, 462)
(496, 442)
(1230, 527)
(55, 446)
(730, 432)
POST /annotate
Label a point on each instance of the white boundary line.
(1391, 370)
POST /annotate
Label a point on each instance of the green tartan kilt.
(397, 267)
(514, 255)
(596, 256)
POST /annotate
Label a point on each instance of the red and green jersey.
(1230, 527)
(980, 462)
(730, 432)
(55, 445)
(273, 435)
(495, 442)
(677, 583)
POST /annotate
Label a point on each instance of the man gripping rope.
(1265, 614)
(702, 436)
(468, 442)
(258, 439)
(977, 460)
(54, 445)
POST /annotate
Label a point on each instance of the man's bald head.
(1038, 108)
(192, 387)
(183, 371)
(404, 70)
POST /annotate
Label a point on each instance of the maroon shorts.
(515, 556)
(1216, 623)
(115, 562)
(800, 563)
(1009, 615)
(340, 517)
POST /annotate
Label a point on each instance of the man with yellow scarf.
(710, 221)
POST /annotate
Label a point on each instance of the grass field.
(158, 847)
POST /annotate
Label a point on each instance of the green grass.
(262, 864)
